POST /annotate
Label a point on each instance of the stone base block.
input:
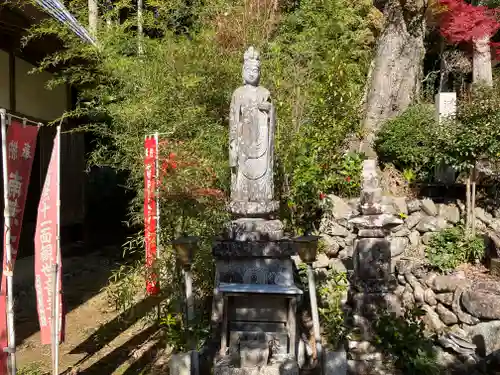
(369, 304)
(495, 267)
(184, 363)
(281, 367)
(372, 259)
(254, 229)
(255, 271)
(246, 208)
(366, 368)
(245, 249)
(335, 363)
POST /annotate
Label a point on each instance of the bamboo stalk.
(93, 17)
(140, 5)
(54, 344)
(315, 315)
(58, 254)
(467, 204)
(473, 201)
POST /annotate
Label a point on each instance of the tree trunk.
(93, 17)
(398, 61)
(481, 62)
(139, 26)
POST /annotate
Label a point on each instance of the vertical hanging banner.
(20, 152)
(151, 211)
(48, 253)
(21, 144)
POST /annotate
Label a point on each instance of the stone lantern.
(185, 248)
(307, 248)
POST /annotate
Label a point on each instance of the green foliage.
(317, 65)
(178, 334)
(404, 340)
(452, 247)
(409, 175)
(346, 181)
(416, 143)
(475, 134)
(342, 178)
(332, 292)
(407, 141)
(315, 56)
(32, 369)
(315, 59)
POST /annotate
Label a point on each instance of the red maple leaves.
(173, 164)
(463, 22)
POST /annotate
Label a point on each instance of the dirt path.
(97, 340)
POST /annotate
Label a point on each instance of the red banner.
(150, 211)
(21, 145)
(47, 250)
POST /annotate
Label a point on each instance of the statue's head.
(251, 67)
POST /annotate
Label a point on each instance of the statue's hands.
(265, 106)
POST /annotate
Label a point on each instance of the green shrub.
(407, 141)
(404, 339)
(178, 334)
(475, 135)
(331, 292)
(452, 247)
(318, 65)
(342, 176)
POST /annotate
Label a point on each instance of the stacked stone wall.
(463, 311)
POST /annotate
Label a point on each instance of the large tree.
(396, 74)
(473, 23)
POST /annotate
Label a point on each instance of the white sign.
(446, 105)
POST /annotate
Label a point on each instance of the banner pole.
(57, 313)
(8, 271)
(53, 318)
(157, 178)
(157, 199)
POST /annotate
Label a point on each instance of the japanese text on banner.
(150, 212)
(47, 252)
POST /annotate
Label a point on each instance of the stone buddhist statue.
(251, 143)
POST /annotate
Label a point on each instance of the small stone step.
(281, 367)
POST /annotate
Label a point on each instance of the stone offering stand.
(255, 300)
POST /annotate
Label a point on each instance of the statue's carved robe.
(251, 145)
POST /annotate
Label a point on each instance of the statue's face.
(251, 73)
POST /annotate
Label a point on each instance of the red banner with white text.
(150, 212)
(47, 250)
(21, 145)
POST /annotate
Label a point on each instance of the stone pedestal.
(255, 297)
(335, 363)
(184, 363)
(282, 366)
